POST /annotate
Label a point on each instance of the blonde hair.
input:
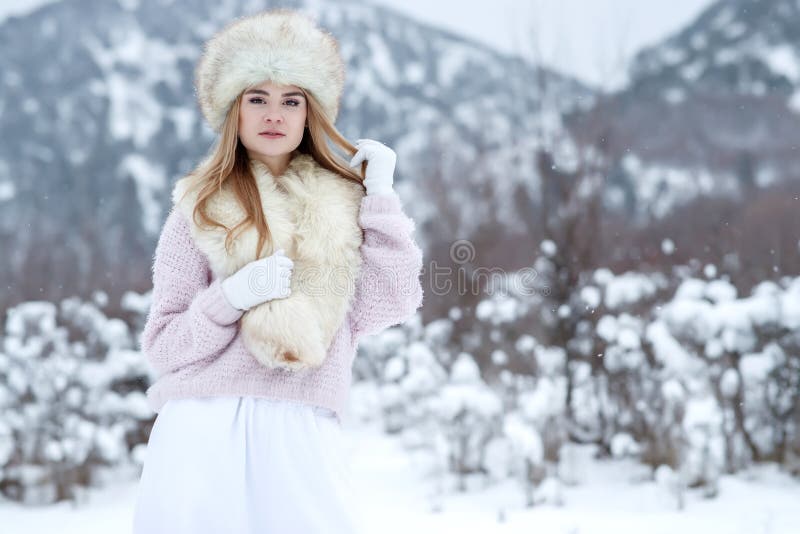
(229, 163)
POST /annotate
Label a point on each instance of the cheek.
(298, 122)
(248, 123)
(243, 120)
(301, 120)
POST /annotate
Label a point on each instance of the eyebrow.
(261, 92)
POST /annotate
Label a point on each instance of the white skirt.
(245, 465)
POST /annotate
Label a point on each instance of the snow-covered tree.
(72, 397)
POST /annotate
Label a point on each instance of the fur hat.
(280, 45)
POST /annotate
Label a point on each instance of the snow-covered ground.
(396, 500)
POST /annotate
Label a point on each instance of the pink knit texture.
(191, 336)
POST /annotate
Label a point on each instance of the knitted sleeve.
(189, 319)
(388, 289)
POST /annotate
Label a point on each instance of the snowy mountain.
(99, 117)
(736, 47)
(720, 97)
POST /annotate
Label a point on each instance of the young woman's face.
(271, 107)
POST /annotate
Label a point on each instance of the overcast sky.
(589, 39)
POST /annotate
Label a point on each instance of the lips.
(271, 134)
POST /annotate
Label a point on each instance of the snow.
(467, 398)
(184, 121)
(755, 367)
(794, 102)
(20, 8)
(499, 357)
(130, 5)
(675, 95)
(498, 309)
(545, 401)
(695, 319)
(387, 479)
(438, 331)
(699, 41)
(617, 359)
(450, 65)
(414, 73)
(465, 370)
(380, 59)
(524, 439)
(387, 343)
(725, 56)
(724, 18)
(525, 344)
(735, 30)
(672, 56)
(551, 360)
(603, 276)
(735, 326)
(692, 71)
(6, 443)
(661, 188)
(676, 360)
(607, 328)
(729, 383)
(498, 458)
(673, 391)
(591, 296)
(629, 338)
(720, 290)
(782, 60)
(790, 305)
(701, 412)
(135, 111)
(623, 445)
(691, 288)
(627, 289)
(136, 302)
(7, 188)
(394, 369)
(548, 247)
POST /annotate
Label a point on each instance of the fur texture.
(280, 45)
(313, 215)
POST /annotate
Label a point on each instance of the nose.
(272, 116)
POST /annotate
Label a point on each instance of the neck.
(277, 165)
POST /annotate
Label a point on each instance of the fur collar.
(312, 214)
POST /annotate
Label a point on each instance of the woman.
(270, 267)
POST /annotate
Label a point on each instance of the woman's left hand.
(380, 170)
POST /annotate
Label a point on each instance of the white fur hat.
(280, 45)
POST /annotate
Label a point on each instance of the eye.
(258, 100)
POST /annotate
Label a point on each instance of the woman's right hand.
(259, 281)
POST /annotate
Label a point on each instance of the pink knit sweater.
(191, 336)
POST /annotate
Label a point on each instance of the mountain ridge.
(99, 118)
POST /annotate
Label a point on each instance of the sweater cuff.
(216, 306)
(382, 202)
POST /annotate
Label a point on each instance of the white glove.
(259, 281)
(380, 169)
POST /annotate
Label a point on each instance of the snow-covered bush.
(469, 413)
(72, 397)
(675, 371)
